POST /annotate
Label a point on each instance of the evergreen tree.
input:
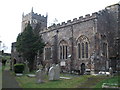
(28, 44)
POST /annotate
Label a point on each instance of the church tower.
(33, 18)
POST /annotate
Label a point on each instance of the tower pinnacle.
(23, 14)
(46, 14)
(32, 10)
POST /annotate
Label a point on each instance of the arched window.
(63, 50)
(47, 51)
(104, 45)
(83, 51)
(83, 46)
(79, 50)
(105, 49)
(86, 49)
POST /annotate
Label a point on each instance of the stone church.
(85, 43)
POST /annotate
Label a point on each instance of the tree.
(28, 44)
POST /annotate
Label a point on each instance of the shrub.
(18, 68)
(4, 62)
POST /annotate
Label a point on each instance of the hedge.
(18, 68)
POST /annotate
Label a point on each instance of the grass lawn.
(27, 82)
(92, 81)
(0, 77)
(85, 81)
(111, 80)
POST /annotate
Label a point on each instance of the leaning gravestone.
(51, 73)
(40, 76)
(57, 72)
(54, 72)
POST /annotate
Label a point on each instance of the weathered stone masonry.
(100, 29)
(76, 29)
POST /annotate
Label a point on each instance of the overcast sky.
(63, 10)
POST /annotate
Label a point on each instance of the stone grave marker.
(111, 71)
(57, 72)
(26, 67)
(46, 69)
(54, 72)
(51, 73)
(40, 76)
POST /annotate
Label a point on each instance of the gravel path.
(8, 81)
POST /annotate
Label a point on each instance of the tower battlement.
(24, 17)
(34, 18)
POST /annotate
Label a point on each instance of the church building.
(85, 43)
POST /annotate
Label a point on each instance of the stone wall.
(100, 27)
(73, 29)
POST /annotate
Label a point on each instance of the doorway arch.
(82, 68)
(14, 61)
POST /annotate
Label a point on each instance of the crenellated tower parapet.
(34, 18)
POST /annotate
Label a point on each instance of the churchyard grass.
(27, 82)
(111, 80)
(0, 77)
(92, 81)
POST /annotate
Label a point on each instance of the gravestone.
(19, 74)
(26, 67)
(54, 72)
(51, 72)
(46, 69)
(39, 66)
(40, 76)
(57, 72)
(31, 75)
(110, 71)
